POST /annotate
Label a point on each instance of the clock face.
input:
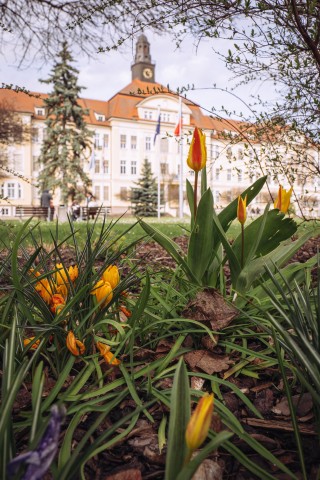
(147, 72)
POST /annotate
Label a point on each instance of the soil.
(138, 457)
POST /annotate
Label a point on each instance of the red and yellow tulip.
(282, 201)
(199, 423)
(197, 156)
(242, 209)
(75, 346)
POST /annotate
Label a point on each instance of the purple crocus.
(38, 461)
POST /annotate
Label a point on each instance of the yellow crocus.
(103, 292)
(106, 354)
(282, 201)
(199, 423)
(111, 275)
(242, 209)
(29, 340)
(73, 272)
(57, 303)
(197, 156)
(75, 346)
(61, 275)
(45, 289)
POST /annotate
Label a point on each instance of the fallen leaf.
(207, 362)
(208, 470)
(130, 474)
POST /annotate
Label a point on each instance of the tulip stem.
(242, 244)
(195, 194)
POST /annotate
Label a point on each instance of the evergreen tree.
(67, 136)
(144, 197)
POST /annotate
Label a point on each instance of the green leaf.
(203, 180)
(201, 239)
(190, 197)
(179, 417)
(162, 433)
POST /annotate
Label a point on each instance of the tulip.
(34, 345)
(197, 156)
(56, 303)
(282, 201)
(75, 346)
(111, 275)
(103, 292)
(242, 209)
(107, 355)
(199, 423)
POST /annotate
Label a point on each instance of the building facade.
(124, 130)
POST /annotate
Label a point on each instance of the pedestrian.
(46, 202)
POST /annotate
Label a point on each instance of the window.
(240, 154)
(217, 174)
(40, 111)
(97, 140)
(164, 168)
(105, 166)
(165, 117)
(164, 145)
(133, 167)
(97, 192)
(133, 143)
(239, 175)
(4, 211)
(100, 117)
(123, 193)
(123, 167)
(217, 196)
(229, 152)
(148, 143)
(97, 165)
(229, 174)
(229, 196)
(35, 135)
(123, 141)
(147, 114)
(106, 192)
(11, 190)
(105, 140)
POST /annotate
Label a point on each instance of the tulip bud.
(75, 346)
(111, 275)
(282, 201)
(199, 423)
(242, 209)
(197, 157)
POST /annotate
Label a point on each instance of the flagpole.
(158, 155)
(181, 162)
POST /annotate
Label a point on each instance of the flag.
(178, 127)
(92, 160)
(157, 129)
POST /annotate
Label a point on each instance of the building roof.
(122, 105)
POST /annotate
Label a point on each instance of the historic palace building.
(124, 129)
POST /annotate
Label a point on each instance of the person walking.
(46, 202)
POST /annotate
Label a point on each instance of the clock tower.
(142, 68)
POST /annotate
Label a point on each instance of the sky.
(105, 74)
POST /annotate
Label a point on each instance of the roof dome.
(142, 38)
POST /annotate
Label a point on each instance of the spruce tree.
(67, 136)
(144, 197)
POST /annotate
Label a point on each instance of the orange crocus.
(197, 156)
(107, 355)
(125, 311)
(57, 303)
(103, 292)
(199, 423)
(45, 289)
(34, 345)
(282, 201)
(242, 209)
(75, 346)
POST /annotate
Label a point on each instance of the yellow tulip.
(103, 291)
(111, 275)
(242, 209)
(34, 345)
(199, 423)
(197, 156)
(282, 201)
(107, 355)
(75, 346)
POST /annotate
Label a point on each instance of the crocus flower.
(199, 423)
(125, 311)
(39, 460)
(29, 340)
(282, 201)
(45, 289)
(107, 355)
(73, 272)
(242, 209)
(103, 292)
(56, 303)
(61, 275)
(75, 346)
(197, 156)
(111, 275)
